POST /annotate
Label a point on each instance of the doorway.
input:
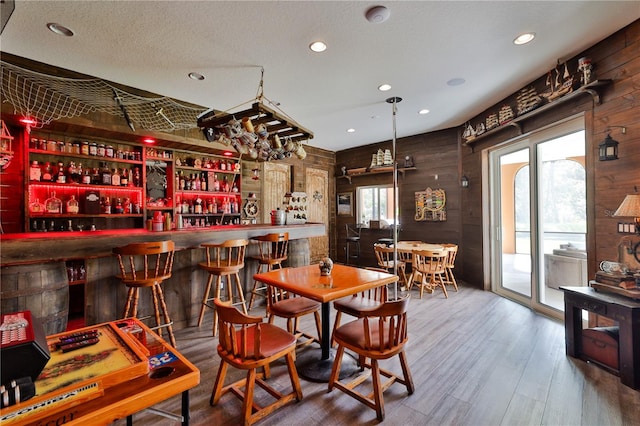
(537, 190)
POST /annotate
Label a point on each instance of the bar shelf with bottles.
(207, 191)
(104, 184)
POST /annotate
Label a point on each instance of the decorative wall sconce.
(608, 149)
(464, 181)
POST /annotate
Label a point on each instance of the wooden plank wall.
(443, 153)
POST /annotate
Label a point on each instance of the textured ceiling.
(153, 45)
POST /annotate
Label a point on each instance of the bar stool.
(353, 237)
(147, 265)
(223, 260)
(273, 251)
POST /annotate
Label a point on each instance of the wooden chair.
(247, 343)
(147, 265)
(384, 257)
(451, 251)
(431, 266)
(273, 252)
(356, 304)
(223, 260)
(281, 303)
(381, 333)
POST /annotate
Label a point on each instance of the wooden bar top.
(40, 247)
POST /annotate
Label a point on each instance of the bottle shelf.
(84, 157)
(66, 186)
(82, 215)
(204, 169)
(209, 193)
(208, 214)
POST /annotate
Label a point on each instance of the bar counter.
(33, 266)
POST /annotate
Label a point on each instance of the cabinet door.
(317, 189)
(277, 182)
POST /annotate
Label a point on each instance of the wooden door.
(317, 189)
(276, 182)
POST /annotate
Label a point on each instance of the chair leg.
(156, 309)
(257, 286)
(451, 278)
(128, 304)
(408, 380)
(442, 285)
(293, 375)
(219, 384)
(247, 404)
(242, 302)
(204, 299)
(336, 324)
(215, 312)
(377, 389)
(335, 370)
(165, 314)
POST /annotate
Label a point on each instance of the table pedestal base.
(311, 367)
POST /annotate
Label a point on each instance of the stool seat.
(147, 265)
(224, 259)
(352, 238)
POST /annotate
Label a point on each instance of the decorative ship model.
(556, 89)
(527, 100)
(491, 122)
(505, 114)
(469, 133)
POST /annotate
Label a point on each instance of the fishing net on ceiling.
(47, 98)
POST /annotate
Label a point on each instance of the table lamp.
(630, 207)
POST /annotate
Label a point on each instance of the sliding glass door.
(538, 216)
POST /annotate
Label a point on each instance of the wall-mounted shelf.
(592, 89)
(374, 171)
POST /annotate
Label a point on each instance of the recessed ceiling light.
(423, 111)
(524, 38)
(456, 81)
(60, 29)
(384, 87)
(351, 130)
(318, 46)
(149, 140)
(196, 76)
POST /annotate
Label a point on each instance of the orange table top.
(344, 281)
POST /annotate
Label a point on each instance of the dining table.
(406, 249)
(307, 281)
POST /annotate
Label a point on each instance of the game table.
(128, 370)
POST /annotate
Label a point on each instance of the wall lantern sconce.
(608, 149)
(464, 181)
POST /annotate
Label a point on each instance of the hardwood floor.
(476, 359)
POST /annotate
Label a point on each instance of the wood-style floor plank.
(476, 359)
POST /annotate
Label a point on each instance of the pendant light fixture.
(394, 101)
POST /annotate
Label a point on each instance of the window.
(375, 203)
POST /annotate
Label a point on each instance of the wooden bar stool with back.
(223, 260)
(273, 252)
(147, 265)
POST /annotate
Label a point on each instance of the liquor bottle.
(105, 174)
(53, 204)
(225, 185)
(62, 177)
(72, 172)
(137, 180)
(73, 206)
(106, 206)
(35, 173)
(216, 183)
(46, 172)
(36, 207)
(198, 206)
(79, 173)
(223, 165)
(124, 177)
(195, 183)
(235, 187)
(96, 177)
(86, 177)
(118, 208)
(187, 183)
(115, 178)
(203, 182)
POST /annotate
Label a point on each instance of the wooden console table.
(624, 310)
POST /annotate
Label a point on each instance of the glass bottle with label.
(124, 177)
(216, 183)
(53, 205)
(62, 177)
(106, 206)
(73, 206)
(105, 174)
(115, 178)
(46, 172)
(35, 173)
